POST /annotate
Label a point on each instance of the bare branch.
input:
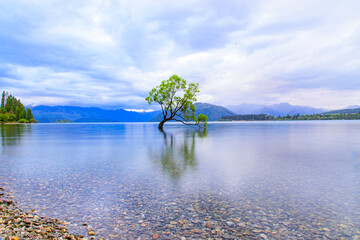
(186, 123)
(181, 117)
(162, 109)
(171, 100)
(183, 101)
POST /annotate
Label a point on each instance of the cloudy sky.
(111, 53)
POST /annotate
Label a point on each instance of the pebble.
(264, 236)
(198, 216)
(209, 225)
(230, 224)
(16, 224)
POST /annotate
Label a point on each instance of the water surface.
(250, 180)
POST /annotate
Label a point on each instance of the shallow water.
(250, 180)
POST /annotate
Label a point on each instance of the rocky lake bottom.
(186, 185)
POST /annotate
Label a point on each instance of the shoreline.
(17, 224)
(14, 123)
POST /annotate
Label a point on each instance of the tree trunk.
(161, 125)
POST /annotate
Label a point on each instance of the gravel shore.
(16, 224)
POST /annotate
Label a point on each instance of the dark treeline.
(334, 116)
(265, 117)
(248, 117)
(12, 110)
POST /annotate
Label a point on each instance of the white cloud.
(140, 110)
(114, 52)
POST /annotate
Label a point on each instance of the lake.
(248, 180)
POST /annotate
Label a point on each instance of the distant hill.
(281, 109)
(352, 107)
(213, 112)
(348, 110)
(50, 114)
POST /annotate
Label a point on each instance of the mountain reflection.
(11, 133)
(178, 153)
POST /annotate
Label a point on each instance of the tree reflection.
(11, 133)
(178, 153)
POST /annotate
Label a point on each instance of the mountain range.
(281, 109)
(213, 112)
(49, 114)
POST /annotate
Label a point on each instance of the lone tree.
(176, 99)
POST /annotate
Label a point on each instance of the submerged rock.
(16, 224)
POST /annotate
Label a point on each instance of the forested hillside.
(51, 114)
(351, 110)
(213, 112)
(12, 110)
(265, 117)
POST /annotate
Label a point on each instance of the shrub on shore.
(23, 120)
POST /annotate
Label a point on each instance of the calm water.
(251, 180)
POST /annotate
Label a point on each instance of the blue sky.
(111, 53)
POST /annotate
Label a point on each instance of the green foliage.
(20, 112)
(23, 121)
(2, 118)
(176, 99)
(13, 110)
(337, 116)
(29, 114)
(7, 117)
(202, 119)
(3, 99)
